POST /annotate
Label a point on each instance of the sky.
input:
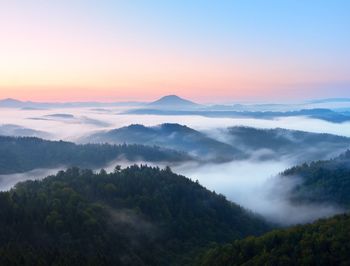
(83, 50)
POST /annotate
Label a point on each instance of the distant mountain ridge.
(30, 105)
(165, 101)
(19, 131)
(172, 101)
(316, 113)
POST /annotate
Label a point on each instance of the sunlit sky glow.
(81, 50)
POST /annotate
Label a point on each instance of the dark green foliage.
(322, 181)
(172, 136)
(291, 143)
(27, 153)
(325, 242)
(134, 216)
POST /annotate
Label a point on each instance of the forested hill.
(172, 136)
(20, 154)
(322, 181)
(323, 243)
(135, 216)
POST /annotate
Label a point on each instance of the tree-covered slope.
(27, 153)
(323, 243)
(135, 216)
(173, 136)
(298, 145)
(231, 143)
(322, 181)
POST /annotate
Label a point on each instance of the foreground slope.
(136, 216)
(325, 242)
(28, 153)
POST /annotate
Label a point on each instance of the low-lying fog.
(252, 184)
(71, 124)
(9, 181)
(255, 185)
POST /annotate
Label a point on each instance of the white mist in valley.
(85, 121)
(251, 183)
(256, 185)
(9, 181)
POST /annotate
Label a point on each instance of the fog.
(87, 121)
(9, 181)
(256, 185)
(251, 183)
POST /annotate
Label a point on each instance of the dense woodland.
(322, 181)
(285, 142)
(144, 215)
(135, 216)
(20, 154)
(323, 243)
(234, 143)
(173, 136)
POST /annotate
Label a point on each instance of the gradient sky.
(78, 50)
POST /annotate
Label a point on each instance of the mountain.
(173, 101)
(29, 105)
(134, 216)
(25, 154)
(323, 243)
(19, 131)
(332, 100)
(10, 103)
(323, 182)
(299, 146)
(317, 113)
(173, 136)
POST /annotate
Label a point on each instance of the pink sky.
(65, 51)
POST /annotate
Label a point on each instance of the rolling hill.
(326, 182)
(134, 216)
(173, 136)
(28, 153)
(230, 144)
(322, 243)
(300, 146)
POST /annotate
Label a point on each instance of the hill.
(173, 101)
(299, 146)
(173, 136)
(316, 113)
(135, 216)
(323, 243)
(19, 131)
(237, 142)
(28, 153)
(322, 181)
